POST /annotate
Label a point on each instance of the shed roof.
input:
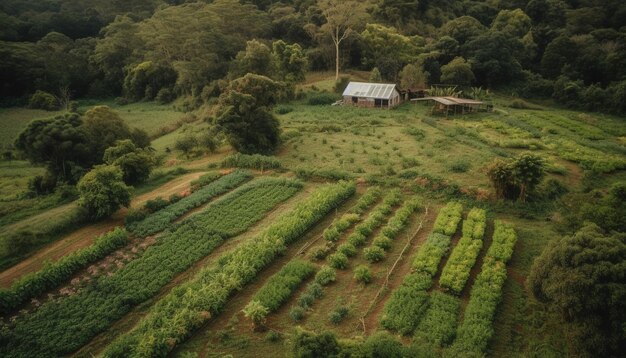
(449, 101)
(369, 90)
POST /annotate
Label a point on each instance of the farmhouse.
(371, 95)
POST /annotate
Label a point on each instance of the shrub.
(448, 219)
(102, 191)
(134, 215)
(374, 254)
(320, 252)
(362, 274)
(338, 314)
(273, 336)
(306, 300)
(280, 286)
(325, 275)
(338, 260)
(204, 180)
(282, 109)
(165, 95)
(383, 242)
(341, 83)
(251, 161)
(43, 100)
(460, 166)
(314, 289)
(347, 249)
(155, 204)
(296, 313)
(430, 254)
(321, 99)
(256, 312)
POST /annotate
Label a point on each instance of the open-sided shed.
(372, 95)
(455, 105)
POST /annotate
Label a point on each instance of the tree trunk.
(336, 60)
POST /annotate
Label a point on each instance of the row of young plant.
(62, 326)
(362, 231)
(161, 219)
(54, 274)
(457, 270)
(438, 327)
(383, 241)
(191, 304)
(408, 303)
(204, 180)
(326, 275)
(476, 330)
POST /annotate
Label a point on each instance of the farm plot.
(192, 304)
(59, 327)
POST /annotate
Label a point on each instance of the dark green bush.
(43, 100)
(321, 99)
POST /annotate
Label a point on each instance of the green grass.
(13, 120)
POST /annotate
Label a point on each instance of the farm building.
(371, 95)
(455, 105)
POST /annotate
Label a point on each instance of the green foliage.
(448, 219)
(253, 161)
(54, 274)
(208, 291)
(291, 61)
(338, 314)
(607, 210)
(438, 326)
(363, 274)
(296, 313)
(457, 270)
(256, 312)
(308, 345)
(374, 254)
(457, 72)
(407, 304)
(74, 320)
(280, 286)
(428, 258)
(516, 177)
(163, 218)
(43, 100)
(338, 260)
(326, 275)
(257, 59)
(581, 278)
(340, 84)
(104, 127)
(412, 77)
(347, 249)
(145, 80)
(60, 143)
(204, 180)
(135, 163)
(375, 76)
(476, 330)
(102, 191)
(321, 99)
(245, 116)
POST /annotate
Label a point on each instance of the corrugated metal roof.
(449, 101)
(369, 90)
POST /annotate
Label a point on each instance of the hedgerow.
(191, 304)
(61, 326)
(204, 180)
(161, 219)
(428, 258)
(438, 326)
(54, 274)
(251, 161)
(448, 219)
(463, 257)
(281, 285)
(476, 330)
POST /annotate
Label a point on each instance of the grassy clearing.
(13, 120)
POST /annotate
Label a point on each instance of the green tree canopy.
(103, 192)
(61, 143)
(512, 22)
(291, 61)
(136, 163)
(245, 116)
(104, 127)
(463, 29)
(257, 58)
(457, 72)
(582, 278)
(382, 42)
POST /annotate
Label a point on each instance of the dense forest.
(573, 51)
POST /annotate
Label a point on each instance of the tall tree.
(104, 127)
(343, 17)
(582, 278)
(135, 163)
(102, 191)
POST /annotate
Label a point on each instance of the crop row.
(281, 285)
(438, 326)
(408, 303)
(54, 274)
(191, 304)
(393, 227)
(338, 226)
(476, 330)
(448, 219)
(61, 326)
(161, 219)
(204, 180)
(457, 270)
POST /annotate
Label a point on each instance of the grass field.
(431, 159)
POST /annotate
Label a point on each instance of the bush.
(165, 95)
(320, 252)
(338, 260)
(374, 254)
(347, 249)
(134, 215)
(459, 166)
(204, 180)
(283, 109)
(306, 300)
(280, 286)
(321, 99)
(251, 161)
(338, 314)
(43, 100)
(340, 84)
(363, 274)
(156, 204)
(326, 275)
(273, 336)
(296, 313)
(102, 191)
(383, 242)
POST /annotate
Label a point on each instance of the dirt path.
(85, 236)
